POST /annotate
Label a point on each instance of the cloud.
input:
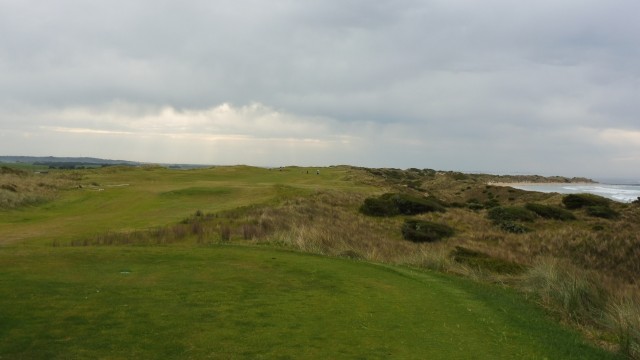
(451, 84)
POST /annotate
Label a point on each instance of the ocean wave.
(621, 193)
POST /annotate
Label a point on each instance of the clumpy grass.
(559, 285)
(19, 188)
(483, 261)
(623, 318)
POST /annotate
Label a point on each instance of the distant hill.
(53, 160)
(82, 162)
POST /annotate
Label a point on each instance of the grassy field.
(114, 199)
(153, 262)
(243, 302)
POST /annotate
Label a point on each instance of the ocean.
(619, 190)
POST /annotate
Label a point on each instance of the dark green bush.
(458, 176)
(425, 231)
(483, 261)
(491, 203)
(411, 205)
(501, 214)
(507, 217)
(513, 227)
(604, 212)
(379, 207)
(550, 212)
(397, 204)
(577, 201)
(474, 204)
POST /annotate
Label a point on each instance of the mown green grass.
(242, 302)
(115, 199)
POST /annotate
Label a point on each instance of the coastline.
(620, 193)
(525, 183)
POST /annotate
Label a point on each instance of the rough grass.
(484, 262)
(623, 318)
(19, 188)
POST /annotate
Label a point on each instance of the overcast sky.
(550, 87)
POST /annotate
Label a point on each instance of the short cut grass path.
(227, 302)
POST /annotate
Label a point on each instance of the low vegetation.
(501, 214)
(578, 201)
(601, 211)
(19, 188)
(399, 204)
(484, 262)
(584, 270)
(550, 212)
(425, 231)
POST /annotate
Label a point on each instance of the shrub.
(507, 218)
(550, 212)
(604, 212)
(396, 204)
(483, 261)
(577, 201)
(491, 203)
(514, 228)
(459, 176)
(379, 207)
(502, 214)
(411, 205)
(425, 231)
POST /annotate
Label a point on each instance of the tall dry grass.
(622, 317)
(21, 188)
(560, 285)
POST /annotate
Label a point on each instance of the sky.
(509, 87)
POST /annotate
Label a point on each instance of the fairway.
(227, 301)
(115, 199)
